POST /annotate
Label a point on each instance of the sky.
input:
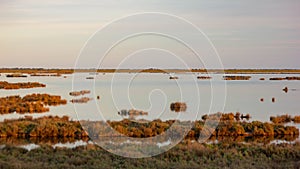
(245, 33)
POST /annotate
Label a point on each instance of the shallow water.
(155, 92)
(31, 145)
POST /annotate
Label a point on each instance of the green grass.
(194, 155)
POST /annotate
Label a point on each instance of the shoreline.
(151, 70)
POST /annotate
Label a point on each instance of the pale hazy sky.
(246, 33)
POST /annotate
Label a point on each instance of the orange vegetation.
(46, 74)
(62, 127)
(284, 119)
(236, 77)
(42, 127)
(34, 103)
(226, 116)
(81, 100)
(7, 85)
(296, 119)
(228, 126)
(178, 107)
(78, 93)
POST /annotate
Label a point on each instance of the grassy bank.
(182, 156)
(234, 149)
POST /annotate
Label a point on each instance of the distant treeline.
(35, 70)
(150, 70)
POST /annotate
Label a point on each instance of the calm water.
(154, 93)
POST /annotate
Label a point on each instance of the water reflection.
(75, 144)
(38, 141)
(30, 147)
(260, 139)
(34, 143)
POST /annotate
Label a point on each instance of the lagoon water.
(155, 92)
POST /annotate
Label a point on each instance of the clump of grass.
(285, 119)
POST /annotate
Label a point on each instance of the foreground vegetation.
(192, 155)
(228, 126)
(62, 127)
(44, 127)
(237, 146)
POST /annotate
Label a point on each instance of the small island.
(178, 107)
(81, 100)
(285, 78)
(32, 103)
(173, 77)
(16, 75)
(78, 93)
(285, 119)
(45, 74)
(236, 77)
(132, 112)
(25, 85)
(204, 77)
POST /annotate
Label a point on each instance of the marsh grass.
(232, 155)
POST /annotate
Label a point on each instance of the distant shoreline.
(213, 71)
